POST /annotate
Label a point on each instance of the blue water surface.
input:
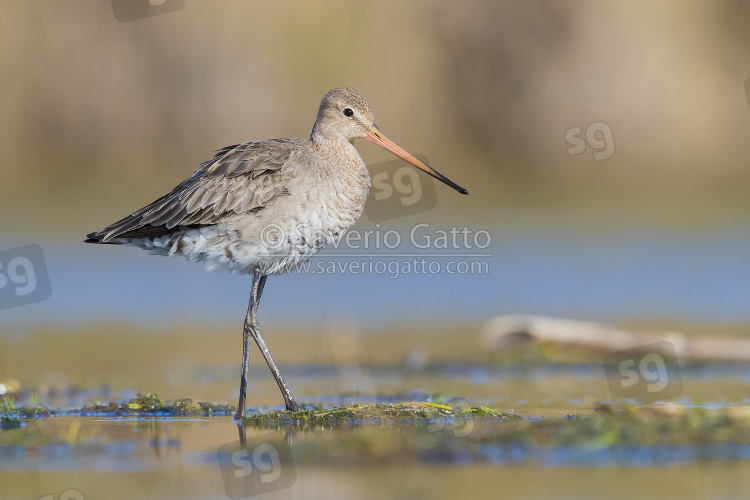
(701, 277)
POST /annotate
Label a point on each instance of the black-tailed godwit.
(262, 207)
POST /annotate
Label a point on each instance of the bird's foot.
(291, 405)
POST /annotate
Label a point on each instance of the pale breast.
(324, 202)
(325, 198)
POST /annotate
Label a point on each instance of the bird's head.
(344, 115)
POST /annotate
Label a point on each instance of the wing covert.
(238, 179)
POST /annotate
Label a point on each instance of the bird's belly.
(281, 245)
(300, 225)
(280, 248)
(275, 242)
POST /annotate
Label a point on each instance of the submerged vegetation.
(631, 436)
(147, 405)
(430, 431)
(151, 404)
(9, 422)
(413, 413)
(12, 416)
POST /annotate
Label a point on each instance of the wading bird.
(262, 207)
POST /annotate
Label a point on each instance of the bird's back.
(239, 179)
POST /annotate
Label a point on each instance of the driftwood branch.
(505, 331)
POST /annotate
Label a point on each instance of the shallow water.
(696, 278)
(693, 277)
(202, 458)
(101, 456)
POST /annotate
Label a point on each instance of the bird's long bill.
(379, 138)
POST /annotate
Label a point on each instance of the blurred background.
(604, 146)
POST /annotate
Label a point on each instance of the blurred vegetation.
(100, 117)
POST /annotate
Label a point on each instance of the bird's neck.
(318, 136)
(341, 162)
(331, 145)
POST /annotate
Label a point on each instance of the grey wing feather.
(238, 179)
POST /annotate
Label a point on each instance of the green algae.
(151, 404)
(604, 426)
(410, 413)
(12, 416)
(630, 436)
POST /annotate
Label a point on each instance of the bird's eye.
(348, 112)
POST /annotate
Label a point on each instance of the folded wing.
(238, 179)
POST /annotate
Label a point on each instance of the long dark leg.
(291, 404)
(252, 309)
(251, 328)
